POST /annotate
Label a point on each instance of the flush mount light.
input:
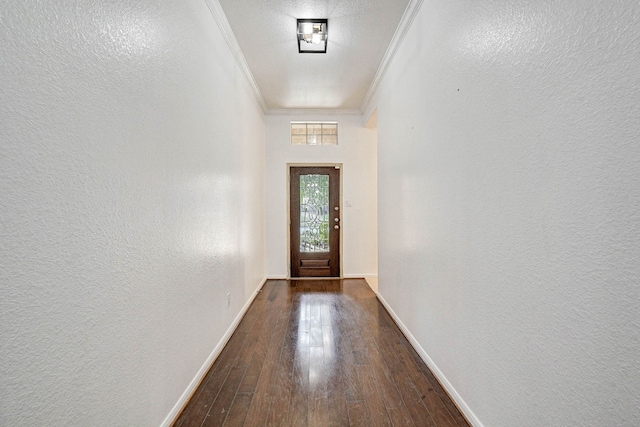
(312, 35)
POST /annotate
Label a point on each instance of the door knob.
(336, 219)
(336, 226)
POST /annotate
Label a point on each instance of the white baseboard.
(277, 278)
(181, 403)
(460, 403)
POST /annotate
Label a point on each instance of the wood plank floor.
(319, 353)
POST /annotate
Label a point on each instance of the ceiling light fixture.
(312, 35)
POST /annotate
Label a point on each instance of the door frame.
(340, 205)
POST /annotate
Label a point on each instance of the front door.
(315, 221)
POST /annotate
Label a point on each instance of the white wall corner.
(193, 385)
(371, 121)
(372, 280)
(232, 42)
(396, 41)
(457, 399)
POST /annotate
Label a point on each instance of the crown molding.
(230, 38)
(313, 112)
(396, 41)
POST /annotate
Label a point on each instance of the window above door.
(314, 133)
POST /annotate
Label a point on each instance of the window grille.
(314, 133)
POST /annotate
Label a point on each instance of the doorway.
(315, 218)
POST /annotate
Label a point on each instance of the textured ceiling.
(359, 33)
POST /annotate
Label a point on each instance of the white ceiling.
(359, 33)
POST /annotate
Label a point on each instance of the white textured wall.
(356, 150)
(132, 156)
(509, 205)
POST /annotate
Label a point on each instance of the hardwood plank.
(260, 403)
(200, 398)
(393, 401)
(431, 403)
(252, 373)
(315, 324)
(250, 379)
(431, 400)
(360, 354)
(318, 402)
(386, 369)
(280, 389)
(208, 391)
(238, 411)
(334, 359)
(432, 381)
(358, 415)
(298, 397)
(357, 288)
(372, 396)
(222, 404)
(410, 397)
(437, 387)
(256, 329)
(353, 390)
(298, 403)
(203, 396)
(319, 353)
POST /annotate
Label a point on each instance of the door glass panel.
(314, 213)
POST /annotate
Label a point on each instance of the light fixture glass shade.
(312, 35)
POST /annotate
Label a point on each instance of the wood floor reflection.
(319, 353)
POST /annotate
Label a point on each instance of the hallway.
(489, 159)
(319, 353)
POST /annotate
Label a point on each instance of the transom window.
(314, 133)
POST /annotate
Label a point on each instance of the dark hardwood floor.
(319, 353)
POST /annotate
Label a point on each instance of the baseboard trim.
(457, 399)
(184, 399)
